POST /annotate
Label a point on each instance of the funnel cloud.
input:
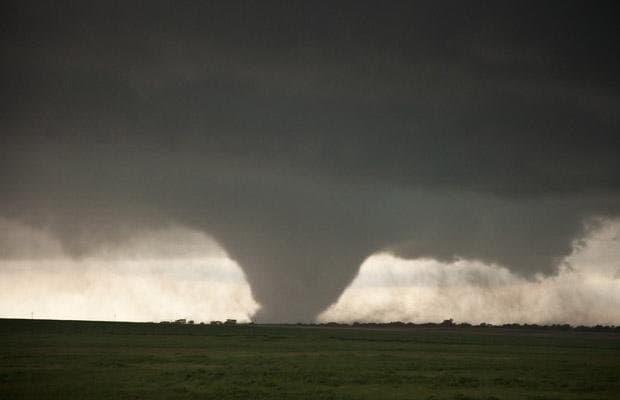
(306, 137)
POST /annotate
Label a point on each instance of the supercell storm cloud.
(306, 136)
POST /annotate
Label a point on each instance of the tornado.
(304, 140)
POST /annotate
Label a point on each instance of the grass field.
(104, 360)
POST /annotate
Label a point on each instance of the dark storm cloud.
(307, 136)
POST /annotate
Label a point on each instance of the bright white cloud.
(586, 291)
(161, 275)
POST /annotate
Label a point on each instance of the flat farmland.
(41, 359)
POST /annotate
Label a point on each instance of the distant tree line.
(183, 321)
(449, 323)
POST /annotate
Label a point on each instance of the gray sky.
(306, 137)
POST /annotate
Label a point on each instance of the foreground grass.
(97, 360)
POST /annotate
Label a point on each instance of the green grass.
(99, 360)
